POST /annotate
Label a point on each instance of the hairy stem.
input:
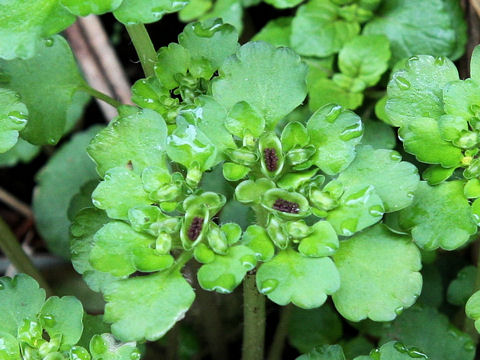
(12, 249)
(278, 344)
(101, 96)
(144, 47)
(254, 320)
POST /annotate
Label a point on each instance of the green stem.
(182, 260)
(99, 95)
(12, 249)
(278, 344)
(144, 47)
(254, 320)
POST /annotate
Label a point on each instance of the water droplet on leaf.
(268, 286)
(333, 113)
(49, 42)
(402, 83)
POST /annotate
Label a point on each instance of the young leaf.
(66, 171)
(365, 57)
(21, 32)
(380, 275)
(410, 33)
(160, 301)
(335, 132)
(54, 68)
(257, 239)
(13, 307)
(118, 144)
(227, 271)
(13, 118)
(421, 327)
(323, 241)
(146, 11)
(63, 317)
(276, 32)
(318, 30)
(87, 7)
(385, 171)
(121, 190)
(323, 91)
(440, 216)
(269, 79)
(292, 277)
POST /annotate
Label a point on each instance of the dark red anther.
(271, 159)
(286, 206)
(195, 228)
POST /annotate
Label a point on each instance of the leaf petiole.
(99, 95)
(144, 47)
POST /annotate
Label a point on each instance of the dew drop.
(400, 347)
(375, 354)
(440, 60)
(333, 114)
(52, 141)
(415, 353)
(2, 286)
(469, 345)
(268, 286)
(17, 117)
(348, 227)
(399, 310)
(395, 156)
(352, 132)
(98, 345)
(402, 83)
(135, 356)
(376, 210)
(49, 320)
(410, 195)
(49, 42)
(248, 261)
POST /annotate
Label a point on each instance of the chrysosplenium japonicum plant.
(32, 328)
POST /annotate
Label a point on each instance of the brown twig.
(15, 204)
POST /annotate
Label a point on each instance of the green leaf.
(459, 24)
(106, 347)
(22, 151)
(462, 287)
(283, 4)
(394, 180)
(63, 317)
(161, 300)
(84, 8)
(380, 275)
(249, 191)
(121, 190)
(243, 119)
(65, 172)
(475, 64)
(422, 327)
(257, 239)
(146, 11)
(85, 225)
(324, 352)
(172, 59)
(394, 350)
(472, 309)
(440, 216)
(422, 138)
(335, 132)
(323, 91)
(118, 144)
(194, 9)
(365, 57)
(410, 33)
(227, 271)
(416, 91)
(359, 208)
(437, 174)
(323, 241)
(230, 11)
(291, 277)
(10, 349)
(13, 305)
(211, 40)
(272, 80)
(47, 83)
(276, 32)
(21, 32)
(459, 97)
(318, 30)
(13, 118)
(309, 328)
(378, 135)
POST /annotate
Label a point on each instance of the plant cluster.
(245, 163)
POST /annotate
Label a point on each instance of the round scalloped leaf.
(106, 347)
(257, 239)
(146, 11)
(431, 333)
(61, 178)
(276, 32)
(63, 317)
(13, 307)
(23, 23)
(270, 79)
(324, 352)
(47, 83)
(138, 139)
(440, 216)
(461, 97)
(323, 241)
(160, 301)
(85, 225)
(121, 190)
(227, 271)
(378, 135)
(379, 273)
(463, 286)
(334, 132)
(318, 30)
(86, 7)
(422, 138)
(394, 350)
(292, 277)
(211, 40)
(394, 180)
(416, 91)
(410, 33)
(10, 349)
(472, 309)
(13, 118)
(323, 91)
(475, 64)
